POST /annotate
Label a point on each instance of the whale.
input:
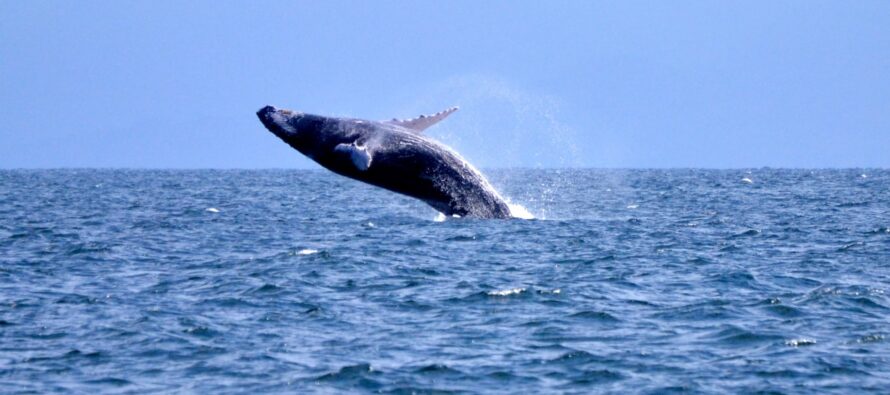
(394, 155)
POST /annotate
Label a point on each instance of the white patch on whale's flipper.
(359, 155)
(422, 122)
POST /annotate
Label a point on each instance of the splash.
(504, 125)
(506, 292)
(518, 211)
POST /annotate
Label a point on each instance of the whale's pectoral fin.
(422, 122)
(358, 154)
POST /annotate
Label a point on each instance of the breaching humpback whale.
(394, 155)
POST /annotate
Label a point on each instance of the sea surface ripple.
(289, 281)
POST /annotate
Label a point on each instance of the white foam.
(633, 206)
(212, 209)
(307, 251)
(864, 175)
(518, 211)
(747, 180)
(506, 292)
(800, 342)
(441, 217)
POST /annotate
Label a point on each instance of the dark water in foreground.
(300, 281)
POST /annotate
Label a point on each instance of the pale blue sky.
(603, 84)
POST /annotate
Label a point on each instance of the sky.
(629, 84)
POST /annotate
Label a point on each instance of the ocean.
(301, 281)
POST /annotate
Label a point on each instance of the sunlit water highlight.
(629, 281)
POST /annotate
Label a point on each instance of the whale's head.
(283, 123)
(302, 131)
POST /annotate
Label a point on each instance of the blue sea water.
(288, 281)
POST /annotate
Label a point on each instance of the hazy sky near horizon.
(169, 84)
